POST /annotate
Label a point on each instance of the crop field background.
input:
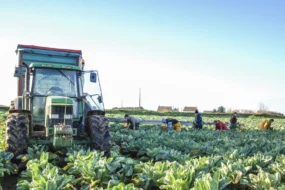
(151, 158)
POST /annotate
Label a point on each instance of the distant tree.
(214, 110)
(221, 109)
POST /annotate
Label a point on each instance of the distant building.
(189, 109)
(206, 111)
(164, 109)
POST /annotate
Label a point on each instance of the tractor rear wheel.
(98, 130)
(17, 133)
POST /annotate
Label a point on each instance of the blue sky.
(181, 53)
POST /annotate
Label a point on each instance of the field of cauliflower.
(152, 158)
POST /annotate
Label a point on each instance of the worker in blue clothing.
(198, 123)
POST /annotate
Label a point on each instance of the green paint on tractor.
(55, 66)
(59, 101)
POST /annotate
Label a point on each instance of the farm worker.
(172, 123)
(132, 122)
(233, 121)
(198, 123)
(220, 125)
(266, 125)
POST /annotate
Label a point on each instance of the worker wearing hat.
(172, 124)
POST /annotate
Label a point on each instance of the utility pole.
(121, 103)
(140, 98)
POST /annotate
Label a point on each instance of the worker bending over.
(132, 122)
(172, 124)
(220, 125)
(266, 125)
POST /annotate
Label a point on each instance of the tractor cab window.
(92, 91)
(55, 82)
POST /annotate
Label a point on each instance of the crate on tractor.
(58, 103)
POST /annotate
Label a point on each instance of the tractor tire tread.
(98, 129)
(17, 133)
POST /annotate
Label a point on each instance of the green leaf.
(215, 181)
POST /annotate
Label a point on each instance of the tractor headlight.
(54, 116)
(67, 116)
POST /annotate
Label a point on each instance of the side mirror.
(18, 72)
(93, 77)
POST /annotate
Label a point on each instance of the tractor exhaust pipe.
(27, 86)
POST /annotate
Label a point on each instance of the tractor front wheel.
(17, 133)
(98, 130)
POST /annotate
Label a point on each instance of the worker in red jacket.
(220, 125)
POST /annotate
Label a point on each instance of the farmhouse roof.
(189, 109)
(164, 109)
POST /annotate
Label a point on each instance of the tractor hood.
(58, 100)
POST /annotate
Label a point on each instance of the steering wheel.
(55, 90)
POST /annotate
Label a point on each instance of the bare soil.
(9, 182)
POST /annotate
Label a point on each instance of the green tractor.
(58, 103)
